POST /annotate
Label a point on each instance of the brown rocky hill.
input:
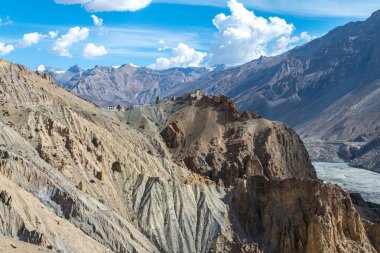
(211, 138)
(74, 178)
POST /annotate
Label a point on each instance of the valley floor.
(354, 180)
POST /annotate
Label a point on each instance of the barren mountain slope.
(126, 84)
(364, 156)
(78, 179)
(328, 88)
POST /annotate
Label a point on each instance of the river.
(365, 182)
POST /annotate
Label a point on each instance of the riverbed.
(365, 182)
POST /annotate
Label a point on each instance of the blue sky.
(165, 33)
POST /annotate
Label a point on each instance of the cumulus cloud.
(285, 43)
(182, 56)
(62, 45)
(108, 5)
(91, 51)
(53, 34)
(307, 37)
(242, 36)
(41, 68)
(97, 21)
(30, 39)
(5, 49)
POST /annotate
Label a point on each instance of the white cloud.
(53, 34)
(41, 68)
(5, 49)
(91, 51)
(97, 21)
(163, 45)
(64, 43)
(136, 42)
(6, 21)
(243, 36)
(108, 5)
(315, 8)
(164, 48)
(182, 56)
(30, 39)
(307, 37)
(284, 43)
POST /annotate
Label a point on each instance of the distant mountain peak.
(75, 69)
(128, 83)
(128, 66)
(375, 15)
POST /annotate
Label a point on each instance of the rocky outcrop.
(210, 137)
(172, 135)
(373, 232)
(309, 217)
(367, 156)
(371, 214)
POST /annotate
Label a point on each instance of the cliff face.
(310, 217)
(78, 179)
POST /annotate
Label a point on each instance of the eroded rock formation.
(213, 139)
(298, 215)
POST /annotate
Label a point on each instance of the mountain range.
(328, 88)
(127, 84)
